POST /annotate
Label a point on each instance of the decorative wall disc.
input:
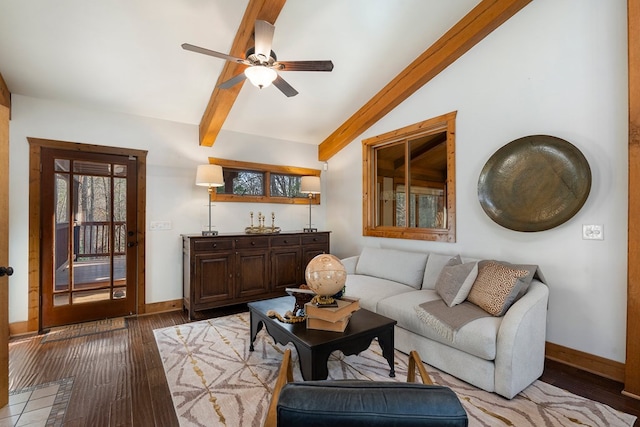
(534, 183)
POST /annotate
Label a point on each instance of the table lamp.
(209, 176)
(310, 185)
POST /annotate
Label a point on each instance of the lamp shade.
(209, 176)
(260, 75)
(310, 185)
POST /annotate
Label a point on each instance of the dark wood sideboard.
(229, 269)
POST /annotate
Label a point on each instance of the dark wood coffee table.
(315, 346)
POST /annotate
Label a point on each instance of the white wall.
(173, 154)
(559, 67)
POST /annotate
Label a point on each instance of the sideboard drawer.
(315, 239)
(285, 241)
(208, 245)
(252, 242)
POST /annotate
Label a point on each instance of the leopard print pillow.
(496, 287)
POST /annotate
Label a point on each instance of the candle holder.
(261, 229)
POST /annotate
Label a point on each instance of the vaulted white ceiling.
(125, 56)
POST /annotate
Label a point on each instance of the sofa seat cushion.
(477, 337)
(370, 289)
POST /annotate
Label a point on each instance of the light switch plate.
(160, 225)
(593, 232)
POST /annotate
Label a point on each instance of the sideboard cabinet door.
(213, 279)
(252, 273)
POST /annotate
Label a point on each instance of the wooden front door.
(88, 252)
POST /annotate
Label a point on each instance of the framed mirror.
(409, 182)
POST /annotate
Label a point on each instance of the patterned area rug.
(216, 381)
(81, 329)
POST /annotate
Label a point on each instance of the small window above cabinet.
(262, 183)
(409, 182)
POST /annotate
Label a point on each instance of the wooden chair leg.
(415, 363)
(285, 375)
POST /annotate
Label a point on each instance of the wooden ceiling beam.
(5, 95)
(469, 31)
(221, 101)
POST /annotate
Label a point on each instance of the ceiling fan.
(263, 66)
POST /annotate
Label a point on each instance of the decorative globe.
(325, 275)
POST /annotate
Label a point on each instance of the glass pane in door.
(85, 260)
(92, 269)
(61, 260)
(119, 236)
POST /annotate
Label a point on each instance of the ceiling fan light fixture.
(260, 76)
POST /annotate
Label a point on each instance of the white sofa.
(501, 354)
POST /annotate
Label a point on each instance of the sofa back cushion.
(433, 269)
(391, 264)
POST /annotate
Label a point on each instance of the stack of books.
(334, 317)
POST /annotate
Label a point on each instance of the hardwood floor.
(118, 378)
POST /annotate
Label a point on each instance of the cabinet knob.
(286, 241)
(215, 245)
(253, 243)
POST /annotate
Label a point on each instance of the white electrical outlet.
(160, 225)
(593, 232)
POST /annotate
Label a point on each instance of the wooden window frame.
(268, 170)
(444, 123)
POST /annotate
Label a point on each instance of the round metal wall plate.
(534, 183)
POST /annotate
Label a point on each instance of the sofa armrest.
(350, 264)
(521, 342)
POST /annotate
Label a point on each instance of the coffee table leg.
(256, 326)
(313, 364)
(385, 339)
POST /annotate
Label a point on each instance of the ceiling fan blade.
(304, 65)
(284, 87)
(232, 81)
(197, 49)
(263, 38)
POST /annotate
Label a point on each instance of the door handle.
(6, 271)
(131, 244)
